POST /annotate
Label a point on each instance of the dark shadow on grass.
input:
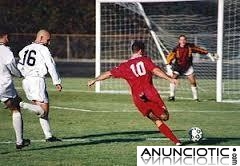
(105, 140)
(92, 139)
(206, 141)
(139, 133)
(212, 141)
(90, 142)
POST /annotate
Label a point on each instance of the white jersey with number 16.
(36, 61)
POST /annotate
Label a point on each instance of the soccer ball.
(195, 134)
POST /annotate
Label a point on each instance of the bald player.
(35, 62)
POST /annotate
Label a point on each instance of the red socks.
(164, 129)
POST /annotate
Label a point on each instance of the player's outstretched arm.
(212, 56)
(160, 73)
(200, 50)
(196, 49)
(102, 77)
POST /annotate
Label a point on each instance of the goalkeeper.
(179, 62)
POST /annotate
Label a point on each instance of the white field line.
(92, 140)
(104, 92)
(87, 110)
(162, 93)
(184, 111)
(64, 90)
(92, 91)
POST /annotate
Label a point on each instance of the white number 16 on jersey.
(138, 69)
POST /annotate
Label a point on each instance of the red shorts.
(153, 104)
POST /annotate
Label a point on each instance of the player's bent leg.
(163, 128)
(18, 127)
(38, 110)
(162, 117)
(44, 121)
(172, 89)
(13, 105)
(193, 82)
(192, 79)
(45, 124)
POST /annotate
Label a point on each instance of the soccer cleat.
(179, 144)
(53, 139)
(197, 100)
(171, 98)
(26, 142)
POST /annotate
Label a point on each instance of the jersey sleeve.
(12, 67)
(196, 49)
(118, 72)
(11, 64)
(51, 66)
(149, 64)
(171, 56)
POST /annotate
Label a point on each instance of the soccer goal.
(159, 23)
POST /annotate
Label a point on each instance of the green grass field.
(105, 129)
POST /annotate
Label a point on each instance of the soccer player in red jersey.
(180, 63)
(138, 72)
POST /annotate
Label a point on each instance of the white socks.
(194, 92)
(45, 127)
(18, 127)
(172, 89)
(33, 108)
(44, 122)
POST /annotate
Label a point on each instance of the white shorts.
(8, 92)
(187, 73)
(4, 99)
(35, 89)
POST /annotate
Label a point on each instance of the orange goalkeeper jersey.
(181, 57)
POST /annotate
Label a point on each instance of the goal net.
(158, 24)
(231, 51)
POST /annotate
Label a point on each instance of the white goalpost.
(219, 50)
(158, 23)
(229, 43)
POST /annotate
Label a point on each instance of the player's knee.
(164, 117)
(44, 106)
(193, 84)
(13, 104)
(175, 76)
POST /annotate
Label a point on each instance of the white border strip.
(143, 1)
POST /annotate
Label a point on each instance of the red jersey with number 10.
(137, 72)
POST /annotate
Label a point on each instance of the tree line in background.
(72, 16)
(58, 16)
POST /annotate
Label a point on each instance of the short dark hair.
(3, 31)
(182, 36)
(137, 45)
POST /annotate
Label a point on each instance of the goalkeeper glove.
(212, 56)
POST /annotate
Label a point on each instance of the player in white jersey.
(8, 93)
(35, 62)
